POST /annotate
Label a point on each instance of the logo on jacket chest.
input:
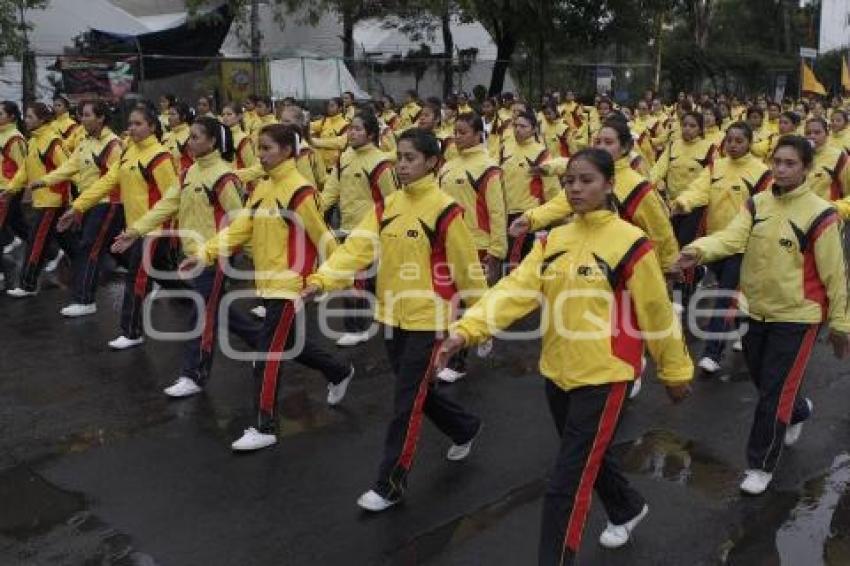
(787, 244)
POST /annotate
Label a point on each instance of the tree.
(14, 41)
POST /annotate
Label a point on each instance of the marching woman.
(418, 229)
(387, 113)
(91, 160)
(840, 136)
(722, 190)
(166, 101)
(829, 177)
(13, 152)
(263, 116)
(793, 276)
(408, 116)
(66, 126)
(143, 173)
(204, 200)
(44, 154)
(243, 153)
(607, 267)
(206, 106)
(711, 120)
(555, 132)
(332, 125)
(284, 226)
(787, 124)
(180, 115)
(361, 181)
(430, 120)
(524, 190)
(492, 126)
(474, 181)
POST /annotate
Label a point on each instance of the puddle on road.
(810, 527)
(663, 455)
(299, 413)
(52, 522)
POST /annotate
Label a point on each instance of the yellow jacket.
(391, 119)
(679, 165)
(70, 131)
(207, 192)
(44, 154)
(523, 191)
(260, 123)
(250, 121)
(638, 203)
(605, 299)
(285, 229)
(474, 180)
(493, 141)
(143, 173)
(13, 152)
(424, 252)
(244, 155)
(177, 142)
(361, 181)
(89, 162)
(793, 268)
(309, 164)
(328, 127)
(408, 116)
(724, 188)
(830, 175)
(841, 140)
(714, 135)
(556, 137)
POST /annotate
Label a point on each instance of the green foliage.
(11, 31)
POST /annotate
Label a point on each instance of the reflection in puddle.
(31, 505)
(299, 413)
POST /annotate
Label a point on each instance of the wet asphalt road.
(98, 467)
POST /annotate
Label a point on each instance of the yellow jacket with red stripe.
(424, 252)
(309, 164)
(605, 299)
(13, 152)
(391, 119)
(177, 142)
(724, 188)
(408, 116)
(285, 229)
(679, 164)
(244, 156)
(143, 173)
(328, 127)
(362, 180)
(89, 162)
(793, 268)
(638, 203)
(830, 175)
(474, 180)
(200, 203)
(70, 131)
(556, 137)
(522, 190)
(260, 123)
(250, 120)
(44, 154)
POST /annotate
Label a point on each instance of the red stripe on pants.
(4, 210)
(41, 236)
(211, 310)
(795, 376)
(414, 425)
(94, 254)
(604, 433)
(516, 252)
(141, 285)
(270, 373)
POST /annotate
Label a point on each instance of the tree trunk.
(448, 52)
(659, 29)
(505, 47)
(786, 26)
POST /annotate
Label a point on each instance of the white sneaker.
(259, 311)
(485, 348)
(450, 375)
(337, 392)
(12, 246)
(755, 482)
(738, 345)
(183, 387)
(458, 452)
(75, 310)
(371, 501)
(252, 439)
(615, 536)
(122, 342)
(635, 388)
(709, 365)
(51, 265)
(793, 432)
(352, 338)
(19, 293)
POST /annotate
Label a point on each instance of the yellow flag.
(809, 81)
(845, 75)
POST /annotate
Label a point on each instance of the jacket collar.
(286, 167)
(146, 143)
(792, 194)
(209, 160)
(477, 149)
(421, 186)
(595, 218)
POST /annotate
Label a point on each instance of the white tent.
(305, 78)
(288, 38)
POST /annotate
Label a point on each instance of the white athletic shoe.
(709, 365)
(75, 310)
(450, 375)
(183, 387)
(738, 345)
(352, 339)
(252, 439)
(259, 311)
(793, 432)
(371, 501)
(485, 348)
(19, 293)
(12, 246)
(755, 482)
(636, 384)
(615, 536)
(51, 265)
(337, 392)
(123, 343)
(458, 452)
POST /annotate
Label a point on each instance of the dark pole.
(255, 43)
(27, 62)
